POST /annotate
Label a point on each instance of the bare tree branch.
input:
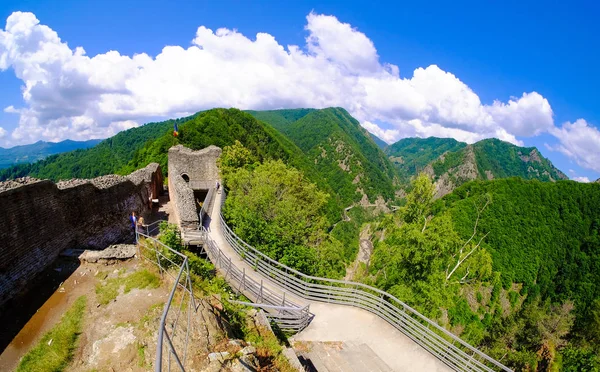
(462, 258)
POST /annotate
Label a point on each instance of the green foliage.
(200, 267)
(110, 156)
(55, 350)
(347, 231)
(580, 360)
(412, 155)
(418, 201)
(109, 289)
(340, 149)
(450, 161)
(234, 157)
(277, 210)
(544, 235)
(170, 236)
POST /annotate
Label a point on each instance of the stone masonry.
(39, 219)
(188, 171)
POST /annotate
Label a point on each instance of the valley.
(488, 239)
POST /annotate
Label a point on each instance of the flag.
(175, 131)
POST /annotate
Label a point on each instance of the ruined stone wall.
(182, 197)
(200, 167)
(39, 219)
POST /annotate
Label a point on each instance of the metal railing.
(444, 345)
(151, 229)
(288, 315)
(181, 300)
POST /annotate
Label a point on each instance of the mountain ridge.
(343, 150)
(40, 150)
(451, 163)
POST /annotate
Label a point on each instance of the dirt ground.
(117, 336)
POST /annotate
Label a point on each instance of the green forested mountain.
(412, 155)
(40, 150)
(542, 234)
(378, 141)
(109, 156)
(222, 128)
(494, 158)
(343, 152)
(511, 265)
(451, 163)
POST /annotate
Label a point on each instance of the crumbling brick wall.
(39, 219)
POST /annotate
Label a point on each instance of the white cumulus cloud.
(581, 179)
(67, 93)
(2, 132)
(579, 141)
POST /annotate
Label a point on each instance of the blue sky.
(496, 51)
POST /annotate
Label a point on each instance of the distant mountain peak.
(451, 163)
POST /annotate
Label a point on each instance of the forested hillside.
(511, 265)
(544, 235)
(40, 150)
(451, 163)
(412, 155)
(343, 152)
(378, 141)
(109, 156)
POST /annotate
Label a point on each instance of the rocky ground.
(121, 334)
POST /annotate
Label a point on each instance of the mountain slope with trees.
(343, 152)
(451, 163)
(511, 265)
(109, 156)
(40, 150)
(412, 155)
(378, 141)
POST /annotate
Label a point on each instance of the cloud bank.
(67, 93)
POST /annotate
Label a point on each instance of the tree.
(418, 201)
(274, 208)
(481, 260)
(233, 158)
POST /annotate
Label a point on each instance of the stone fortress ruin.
(192, 176)
(39, 219)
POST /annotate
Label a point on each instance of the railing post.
(157, 258)
(261, 291)
(228, 269)
(243, 282)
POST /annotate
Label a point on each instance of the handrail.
(154, 225)
(285, 313)
(187, 288)
(446, 346)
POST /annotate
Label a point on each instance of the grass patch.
(108, 291)
(55, 349)
(149, 321)
(101, 275)
(268, 349)
(141, 351)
